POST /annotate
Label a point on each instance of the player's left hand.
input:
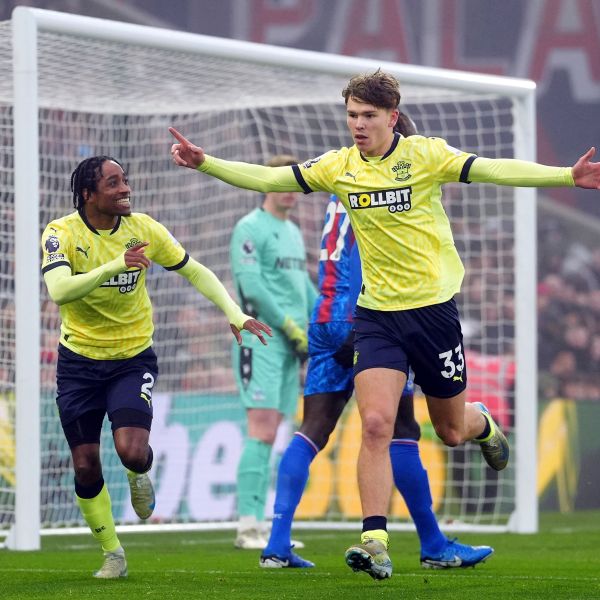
(253, 326)
(586, 174)
(135, 258)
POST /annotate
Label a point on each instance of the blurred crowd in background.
(568, 314)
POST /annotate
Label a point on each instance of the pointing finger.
(180, 138)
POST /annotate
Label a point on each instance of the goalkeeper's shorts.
(267, 377)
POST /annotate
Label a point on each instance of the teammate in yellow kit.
(94, 265)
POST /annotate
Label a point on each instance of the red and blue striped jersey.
(334, 266)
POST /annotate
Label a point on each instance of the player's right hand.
(135, 257)
(253, 326)
(184, 153)
(296, 337)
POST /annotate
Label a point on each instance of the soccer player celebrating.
(94, 265)
(268, 262)
(406, 313)
(328, 388)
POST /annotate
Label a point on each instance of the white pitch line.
(316, 573)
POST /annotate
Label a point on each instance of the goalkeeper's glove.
(344, 355)
(296, 337)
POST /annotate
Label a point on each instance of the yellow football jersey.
(407, 251)
(114, 321)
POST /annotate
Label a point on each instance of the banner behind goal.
(85, 87)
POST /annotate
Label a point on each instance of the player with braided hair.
(86, 176)
(94, 265)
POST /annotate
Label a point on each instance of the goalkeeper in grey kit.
(268, 263)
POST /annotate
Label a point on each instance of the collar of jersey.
(395, 141)
(92, 228)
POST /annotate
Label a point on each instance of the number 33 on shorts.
(454, 363)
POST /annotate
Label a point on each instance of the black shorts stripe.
(464, 174)
(300, 179)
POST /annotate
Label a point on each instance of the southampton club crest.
(401, 170)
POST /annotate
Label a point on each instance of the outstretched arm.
(207, 283)
(503, 171)
(240, 174)
(519, 173)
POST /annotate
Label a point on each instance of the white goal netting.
(118, 98)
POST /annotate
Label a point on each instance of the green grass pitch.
(562, 561)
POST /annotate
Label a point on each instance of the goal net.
(111, 88)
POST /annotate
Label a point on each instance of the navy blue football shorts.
(429, 340)
(115, 387)
(325, 374)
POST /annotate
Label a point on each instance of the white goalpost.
(72, 87)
